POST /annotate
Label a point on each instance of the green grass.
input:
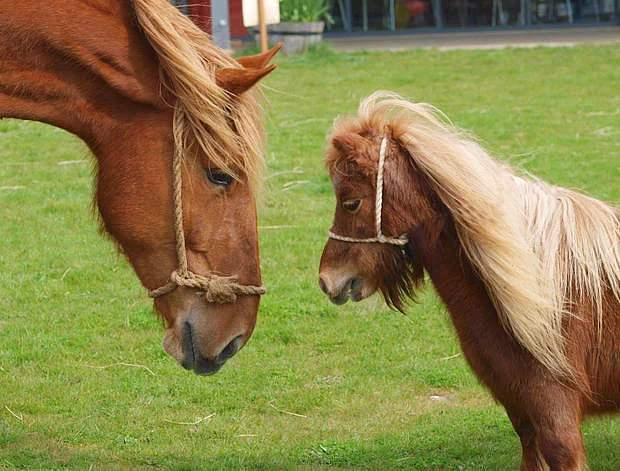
(361, 376)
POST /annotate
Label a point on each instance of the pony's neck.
(449, 269)
(473, 315)
(50, 73)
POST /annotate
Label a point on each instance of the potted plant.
(301, 24)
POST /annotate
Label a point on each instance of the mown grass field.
(359, 378)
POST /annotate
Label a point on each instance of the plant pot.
(296, 37)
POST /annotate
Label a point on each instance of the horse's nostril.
(230, 349)
(189, 353)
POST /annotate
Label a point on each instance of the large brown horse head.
(138, 82)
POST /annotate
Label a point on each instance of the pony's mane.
(227, 129)
(539, 249)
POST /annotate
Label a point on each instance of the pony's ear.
(259, 61)
(238, 81)
(349, 143)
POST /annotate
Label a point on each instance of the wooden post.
(262, 27)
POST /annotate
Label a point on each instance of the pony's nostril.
(323, 285)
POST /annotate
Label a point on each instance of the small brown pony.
(530, 272)
(143, 86)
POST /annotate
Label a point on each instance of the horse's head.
(148, 87)
(135, 197)
(210, 122)
(219, 219)
(369, 252)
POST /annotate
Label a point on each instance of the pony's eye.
(352, 206)
(219, 177)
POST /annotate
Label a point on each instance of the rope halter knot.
(215, 288)
(379, 238)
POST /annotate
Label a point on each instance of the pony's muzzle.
(339, 290)
(201, 365)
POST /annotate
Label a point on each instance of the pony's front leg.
(532, 459)
(561, 444)
(556, 417)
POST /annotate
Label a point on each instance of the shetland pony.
(138, 81)
(529, 272)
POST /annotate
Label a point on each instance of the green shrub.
(304, 10)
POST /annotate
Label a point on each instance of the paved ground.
(552, 37)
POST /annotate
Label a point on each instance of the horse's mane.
(207, 119)
(538, 248)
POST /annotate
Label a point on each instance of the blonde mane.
(539, 249)
(227, 129)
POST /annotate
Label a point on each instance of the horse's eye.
(352, 206)
(219, 177)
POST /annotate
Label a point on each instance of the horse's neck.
(76, 66)
(486, 345)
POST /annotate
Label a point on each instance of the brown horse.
(142, 86)
(530, 272)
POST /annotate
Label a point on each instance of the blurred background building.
(223, 18)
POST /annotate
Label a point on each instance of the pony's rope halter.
(216, 289)
(379, 238)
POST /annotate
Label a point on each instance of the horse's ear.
(259, 61)
(349, 143)
(238, 81)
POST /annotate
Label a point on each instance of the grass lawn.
(317, 387)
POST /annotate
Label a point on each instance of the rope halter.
(216, 289)
(379, 238)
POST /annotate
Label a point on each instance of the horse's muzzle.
(201, 365)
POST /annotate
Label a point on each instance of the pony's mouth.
(353, 289)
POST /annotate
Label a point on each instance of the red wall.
(235, 10)
(200, 11)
